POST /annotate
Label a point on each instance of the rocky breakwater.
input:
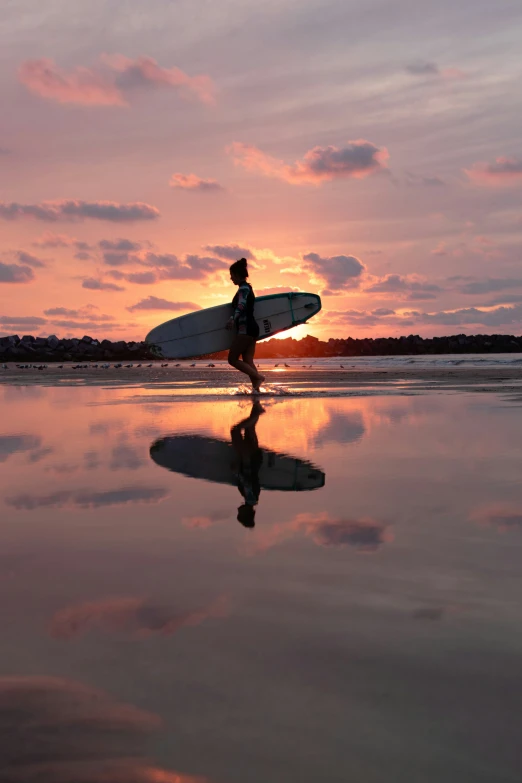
(52, 349)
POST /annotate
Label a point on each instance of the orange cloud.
(111, 83)
(356, 160)
(503, 171)
(193, 182)
(135, 616)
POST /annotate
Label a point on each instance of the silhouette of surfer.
(243, 348)
(249, 460)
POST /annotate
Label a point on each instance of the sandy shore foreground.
(400, 380)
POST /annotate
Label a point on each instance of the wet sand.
(321, 379)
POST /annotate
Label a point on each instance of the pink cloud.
(50, 239)
(204, 522)
(365, 535)
(15, 273)
(339, 273)
(231, 252)
(503, 171)
(140, 278)
(76, 210)
(453, 74)
(198, 522)
(144, 71)
(156, 303)
(193, 182)
(83, 86)
(440, 250)
(135, 616)
(87, 498)
(27, 258)
(430, 69)
(276, 289)
(93, 284)
(504, 517)
(409, 287)
(356, 160)
(166, 266)
(60, 730)
(111, 83)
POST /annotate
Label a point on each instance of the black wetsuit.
(243, 304)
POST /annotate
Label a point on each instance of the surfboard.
(213, 459)
(204, 331)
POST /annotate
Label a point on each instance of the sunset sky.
(369, 151)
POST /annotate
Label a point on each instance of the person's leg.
(248, 357)
(249, 353)
(240, 345)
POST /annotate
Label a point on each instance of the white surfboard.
(204, 331)
(213, 459)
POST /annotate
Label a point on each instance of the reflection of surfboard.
(205, 331)
(212, 459)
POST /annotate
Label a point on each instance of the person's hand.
(230, 323)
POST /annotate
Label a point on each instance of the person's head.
(239, 271)
(246, 514)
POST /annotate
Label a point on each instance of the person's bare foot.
(258, 383)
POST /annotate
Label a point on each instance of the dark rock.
(89, 349)
(9, 342)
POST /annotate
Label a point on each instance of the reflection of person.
(243, 321)
(249, 460)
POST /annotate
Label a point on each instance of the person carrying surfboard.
(242, 351)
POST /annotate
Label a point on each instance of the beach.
(380, 375)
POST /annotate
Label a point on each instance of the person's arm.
(238, 317)
(240, 312)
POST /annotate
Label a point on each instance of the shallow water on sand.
(367, 628)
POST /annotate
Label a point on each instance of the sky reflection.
(367, 625)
